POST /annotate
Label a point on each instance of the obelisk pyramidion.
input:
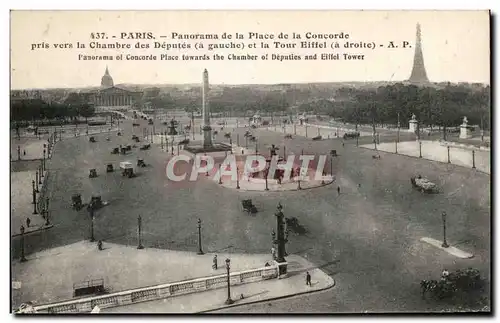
(418, 74)
(207, 130)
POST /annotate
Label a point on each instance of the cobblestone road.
(367, 237)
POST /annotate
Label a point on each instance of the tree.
(86, 110)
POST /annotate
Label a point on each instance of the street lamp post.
(419, 149)
(306, 131)
(43, 168)
(36, 177)
(47, 221)
(448, 149)
(39, 176)
(231, 144)
(445, 244)
(281, 239)
(238, 139)
(23, 258)
(200, 251)
(91, 214)
(237, 178)
(331, 166)
(34, 192)
(139, 231)
(229, 301)
(220, 173)
(266, 174)
(473, 159)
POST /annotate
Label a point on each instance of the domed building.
(106, 79)
(108, 95)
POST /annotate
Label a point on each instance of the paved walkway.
(48, 276)
(451, 250)
(21, 193)
(433, 150)
(260, 184)
(310, 130)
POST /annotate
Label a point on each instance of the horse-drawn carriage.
(92, 173)
(109, 168)
(462, 281)
(141, 163)
(145, 147)
(423, 184)
(351, 135)
(248, 206)
(317, 138)
(127, 169)
(247, 134)
(115, 151)
(135, 138)
(92, 139)
(333, 153)
(184, 141)
(76, 202)
(288, 136)
(135, 124)
(252, 138)
(227, 135)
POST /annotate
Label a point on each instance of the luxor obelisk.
(207, 130)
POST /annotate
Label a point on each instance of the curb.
(42, 228)
(270, 299)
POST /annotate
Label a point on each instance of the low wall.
(85, 305)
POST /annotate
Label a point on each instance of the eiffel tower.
(418, 74)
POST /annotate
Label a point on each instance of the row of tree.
(392, 103)
(445, 106)
(37, 109)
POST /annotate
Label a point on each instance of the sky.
(455, 46)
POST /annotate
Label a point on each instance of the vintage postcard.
(224, 161)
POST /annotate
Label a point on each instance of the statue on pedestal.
(465, 121)
(171, 129)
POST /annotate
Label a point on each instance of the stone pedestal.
(465, 132)
(412, 126)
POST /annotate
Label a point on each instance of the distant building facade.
(109, 95)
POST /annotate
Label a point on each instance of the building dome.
(106, 79)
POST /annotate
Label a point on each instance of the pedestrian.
(273, 253)
(214, 266)
(99, 245)
(338, 189)
(343, 144)
(24, 152)
(308, 279)
(28, 222)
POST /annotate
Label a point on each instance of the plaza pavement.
(48, 276)
(433, 150)
(367, 237)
